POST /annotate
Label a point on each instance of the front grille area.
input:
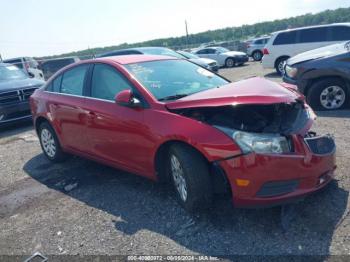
(321, 145)
(10, 97)
(16, 96)
(277, 188)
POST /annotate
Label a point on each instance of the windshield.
(173, 79)
(188, 55)
(11, 72)
(162, 51)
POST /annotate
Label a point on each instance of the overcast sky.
(47, 27)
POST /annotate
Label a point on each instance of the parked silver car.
(210, 64)
(255, 48)
(207, 63)
(223, 56)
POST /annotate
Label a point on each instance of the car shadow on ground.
(273, 75)
(15, 128)
(139, 204)
(335, 113)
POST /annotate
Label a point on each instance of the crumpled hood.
(326, 51)
(20, 83)
(234, 53)
(250, 91)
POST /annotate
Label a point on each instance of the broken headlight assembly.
(257, 142)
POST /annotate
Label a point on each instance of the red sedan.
(171, 120)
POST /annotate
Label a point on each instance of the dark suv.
(322, 75)
(15, 90)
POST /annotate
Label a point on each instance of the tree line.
(238, 33)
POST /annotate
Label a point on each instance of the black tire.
(230, 62)
(257, 55)
(196, 175)
(59, 155)
(313, 95)
(278, 65)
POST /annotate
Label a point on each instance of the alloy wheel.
(48, 142)
(178, 177)
(332, 97)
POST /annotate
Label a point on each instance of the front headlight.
(259, 143)
(291, 71)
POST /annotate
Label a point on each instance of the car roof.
(139, 49)
(131, 59)
(313, 26)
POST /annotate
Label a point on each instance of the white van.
(285, 44)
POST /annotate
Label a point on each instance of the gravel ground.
(81, 207)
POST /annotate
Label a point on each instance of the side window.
(107, 82)
(286, 38)
(340, 33)
(258, 42)
(313, 35)
(73, 80)
(211, 51)
(56, 84)
(202, 52)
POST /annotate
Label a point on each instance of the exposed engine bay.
(282, 118)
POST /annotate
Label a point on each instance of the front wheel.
(191, 178)
(328, 94)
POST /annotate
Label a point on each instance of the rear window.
(340, 33)
(313, 35)
(16, 62)
(286, 38)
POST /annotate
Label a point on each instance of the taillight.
(265, 51)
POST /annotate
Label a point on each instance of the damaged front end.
(260, 128)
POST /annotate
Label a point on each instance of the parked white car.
(288, 43)
(28, 64)
(223, 56)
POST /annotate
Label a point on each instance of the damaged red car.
(171, 120)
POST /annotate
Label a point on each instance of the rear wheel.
(190, 176)
(279, 66)
(50, 144)
(328, 94)
(257, 55)
(230, 62)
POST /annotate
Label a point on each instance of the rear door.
(67, 107)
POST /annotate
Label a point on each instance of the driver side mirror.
(127, 98)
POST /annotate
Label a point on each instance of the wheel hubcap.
(48, 143)
(332, 97)
(178, 177)
(230, 63)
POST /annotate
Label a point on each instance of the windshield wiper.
(172, 97)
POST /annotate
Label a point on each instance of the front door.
(115, 133)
